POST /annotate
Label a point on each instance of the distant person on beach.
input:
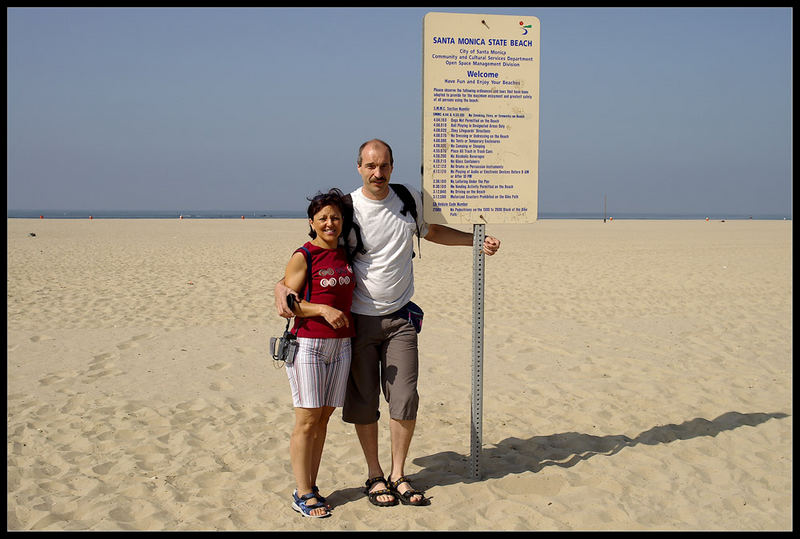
(385, 353)
(323, 326)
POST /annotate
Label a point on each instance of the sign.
(480, 135)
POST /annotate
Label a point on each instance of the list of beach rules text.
(480, 134)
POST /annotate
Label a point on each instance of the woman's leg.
(303, 448)
(320, 432)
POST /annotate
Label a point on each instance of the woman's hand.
(336, 318)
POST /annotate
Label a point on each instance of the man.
(385, 341)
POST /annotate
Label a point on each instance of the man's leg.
(402, 360)
(368, 438)
(361, 400)
(402, 432)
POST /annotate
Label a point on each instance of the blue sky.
(662, 110)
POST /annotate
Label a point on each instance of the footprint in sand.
(438, 369)
(219, 366)
(220, 386)
(122, 514)
(131, 343)
(37, 338)
(100, 366)
(50, 380)
(103, 469)
(101, 361)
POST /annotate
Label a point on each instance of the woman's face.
(327, 223)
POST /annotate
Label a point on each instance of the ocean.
(300, 214)
(155, 214)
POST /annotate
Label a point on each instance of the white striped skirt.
(318, 375)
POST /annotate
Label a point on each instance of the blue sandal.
(320, 499)
(300, 504)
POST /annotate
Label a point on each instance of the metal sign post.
(476, 442)
(480, 142)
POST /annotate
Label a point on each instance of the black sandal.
(405, 497)
(373, 496)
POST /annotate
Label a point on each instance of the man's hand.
(490, 245)
(281, 306)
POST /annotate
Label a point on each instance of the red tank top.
(332, 283)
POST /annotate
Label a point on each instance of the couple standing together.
(354, 334)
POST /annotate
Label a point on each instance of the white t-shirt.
(385, 273)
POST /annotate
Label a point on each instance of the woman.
(323, 325)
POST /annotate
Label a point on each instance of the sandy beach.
(637, 376)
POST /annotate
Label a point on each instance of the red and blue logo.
(524, 27)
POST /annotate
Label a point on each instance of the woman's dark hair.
(334, 197)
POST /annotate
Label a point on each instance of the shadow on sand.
(515, 455)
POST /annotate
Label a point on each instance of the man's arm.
(444, 235)
(281, 306)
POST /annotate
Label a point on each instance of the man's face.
(375, 170)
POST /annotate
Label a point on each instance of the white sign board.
(480, 134)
